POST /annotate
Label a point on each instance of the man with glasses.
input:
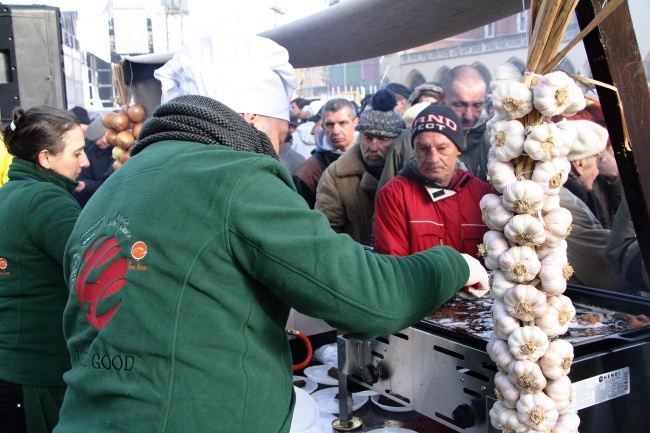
(433, 200)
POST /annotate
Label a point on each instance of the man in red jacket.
(434, 200)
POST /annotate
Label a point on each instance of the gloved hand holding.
(477, 284)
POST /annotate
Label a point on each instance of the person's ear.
(249, 118)
(579, 166)
(43, 159)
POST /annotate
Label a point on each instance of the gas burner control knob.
(370, 374)
(464, 415)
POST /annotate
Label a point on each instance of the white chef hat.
(591, 138)
(247, 73)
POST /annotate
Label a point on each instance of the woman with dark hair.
(37, 215)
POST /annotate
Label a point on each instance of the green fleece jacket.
(37, 214)
(182, 271)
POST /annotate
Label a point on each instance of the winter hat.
(411, 113)
(314, 107)
(425, 89)
(441, 119)
(247, 73)
(81, 114)
(382, 120)
(399, 89)
(95, 130)
(591, 138)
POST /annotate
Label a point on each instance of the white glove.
(477, 284)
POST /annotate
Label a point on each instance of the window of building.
(522, 22)
(489, 30)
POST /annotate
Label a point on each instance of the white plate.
(310, 385)
(305, 413)
(318, 373)
(392, 430)
(375, 400)
(366, 393)
(326, 402)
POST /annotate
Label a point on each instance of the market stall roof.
(362, 29)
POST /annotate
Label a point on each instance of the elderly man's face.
(339, 128)
(587, 170)
(374, 149)
(467, 99)
(436, 156)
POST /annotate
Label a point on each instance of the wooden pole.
(614, 58)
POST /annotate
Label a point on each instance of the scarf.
(202, 120)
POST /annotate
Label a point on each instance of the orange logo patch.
(139, 250)
(3, 263)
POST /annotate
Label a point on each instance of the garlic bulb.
(500, 174)
(494, 244)
(504, 323)
(567, 131)
(545, 142)
(537, 411)
(499, 284)
(512, 99)
(567, 423)
(523, 196)
(496, 117)
(505, 390)
(551, 175)
(505, 72)
(552, 95)
(555, 272)
(557, 360)
(544, 251)
(505, 419)
(550, 202)
(507, 137)
(499, 352)
(519, 264)
(525, 302)
(565, 308)
(527, 376)
(549, 323)
(561, 393)
(525, 229)
(578, 102)
(495, 216)
(528, 342)
(558, 226)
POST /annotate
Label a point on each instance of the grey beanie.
(96, 130)
(382, 120)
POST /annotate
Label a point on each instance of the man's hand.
(80, 187)
(477, 284)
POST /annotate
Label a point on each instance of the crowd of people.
(152, 293)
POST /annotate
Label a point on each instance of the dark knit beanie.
(399, 89)
(440, 119)
(81, 114)
(382, 120)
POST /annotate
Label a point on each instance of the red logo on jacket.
(101, 277)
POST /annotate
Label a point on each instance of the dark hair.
(338, 104)
(302, 104)
(37, 129)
